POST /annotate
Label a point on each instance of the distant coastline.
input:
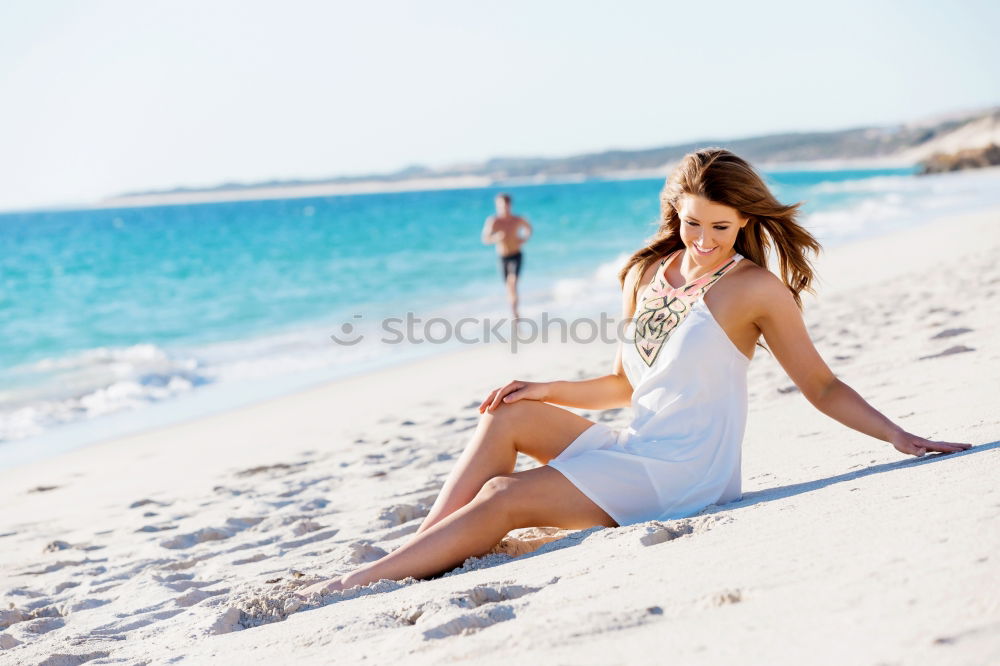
(190, 196)
(865, 147)
(290, 191)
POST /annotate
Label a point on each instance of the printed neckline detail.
(664, 307)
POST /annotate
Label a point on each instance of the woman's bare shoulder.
(754, 276)
(758, 285)
(639, 275)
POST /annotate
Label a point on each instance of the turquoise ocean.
(114, 320)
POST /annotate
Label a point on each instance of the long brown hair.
(722, 177)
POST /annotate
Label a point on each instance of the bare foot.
(321, 588)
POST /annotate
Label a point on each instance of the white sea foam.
(104, 381)
(92, 383)
(586, 293)
(886, 203)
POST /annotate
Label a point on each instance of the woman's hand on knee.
(512, 392)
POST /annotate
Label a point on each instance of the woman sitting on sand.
(682, 368)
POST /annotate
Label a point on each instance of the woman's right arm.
(605, 392)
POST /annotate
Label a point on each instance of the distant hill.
(904, 144)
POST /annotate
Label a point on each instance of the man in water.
(503, 229)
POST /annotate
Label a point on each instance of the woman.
(705, 297)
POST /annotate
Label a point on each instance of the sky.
(100, 98)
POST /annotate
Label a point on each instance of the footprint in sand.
(363, 551)
(56, 566)
(305, 526)
(471, 622)
(193, 538)
(957, 349)
(483, 600)
(194, 596)
(398, 514)
(950, 332)
(45, 625)
(313, 504)
(13, 615)
(484, 594)
(145, 501)
(272, 469)
(233, 526)
(312, 538)
(156, 528)
(63, 659)
(183, 585)
(134, 622)
(657, 532)
(253, 558)
(84, 604)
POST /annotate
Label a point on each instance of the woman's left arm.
(784, 330)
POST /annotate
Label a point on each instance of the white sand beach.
(185, 544)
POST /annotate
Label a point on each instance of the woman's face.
(708, 229)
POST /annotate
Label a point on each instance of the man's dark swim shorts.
(511, 264)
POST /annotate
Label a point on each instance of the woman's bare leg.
(512, 294)
(534, 428)
(541, 496)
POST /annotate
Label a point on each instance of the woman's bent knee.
(499, 494)
(497, 487)
(511, 410)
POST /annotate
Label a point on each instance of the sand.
(184, 544)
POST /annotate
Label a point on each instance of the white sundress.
(681, 451)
